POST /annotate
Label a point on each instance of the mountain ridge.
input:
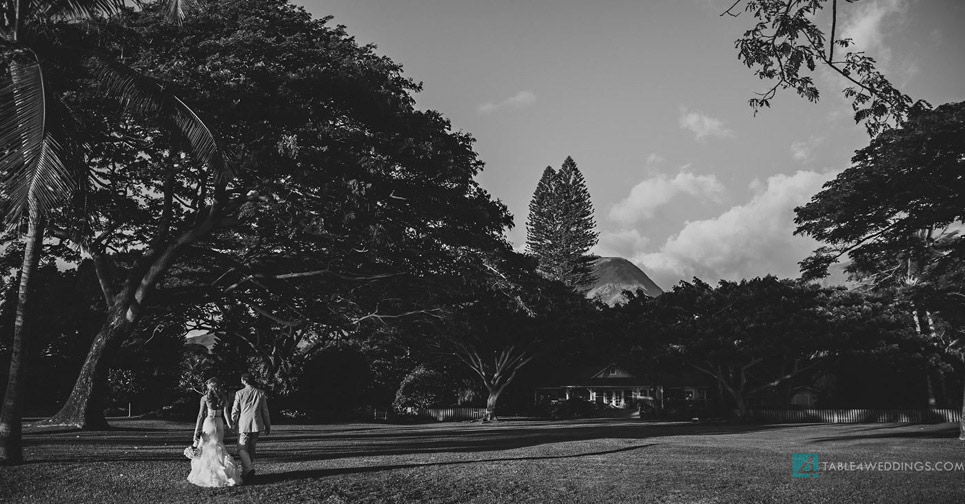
(614, 275)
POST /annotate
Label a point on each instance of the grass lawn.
(609, 461)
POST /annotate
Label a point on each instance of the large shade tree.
(897, 214)
(504, 316)
(756, 335)
(45, 44)
(346, 202)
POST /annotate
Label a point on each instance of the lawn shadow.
(156, 440)
(929, 431)
(163, 441)
(440, 438)
(269, 478)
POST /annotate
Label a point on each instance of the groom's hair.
(247, 378)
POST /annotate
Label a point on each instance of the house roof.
(610, 382)
(610, 375)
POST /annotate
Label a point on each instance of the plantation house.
(615, 387)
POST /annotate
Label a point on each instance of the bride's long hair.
(215, 394)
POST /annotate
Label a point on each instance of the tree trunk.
(930, 385)
(84, 408)
(961, 425)
(741, 407)
(11, 416)
(491, 406)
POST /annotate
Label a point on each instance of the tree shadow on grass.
(165, 441)
(556, 431)
(486, 438)
(269, 478)
(928, 431)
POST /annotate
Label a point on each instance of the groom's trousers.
(246, 449)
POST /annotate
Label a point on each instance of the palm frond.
(31, 155)
(177, 10)
(74, 10)
(141, 94)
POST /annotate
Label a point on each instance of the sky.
(650, 100)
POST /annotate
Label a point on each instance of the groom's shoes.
(248, 477)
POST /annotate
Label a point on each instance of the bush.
(687, 411)
(572, 408)
(423, 388)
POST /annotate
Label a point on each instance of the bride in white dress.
(214, 466)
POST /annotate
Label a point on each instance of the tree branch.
(167, 208)
(381, 318)
(834, 23)
(276, 319)
(797, 371)
(104, 277)
(730, 9)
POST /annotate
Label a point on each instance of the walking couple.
(211, 464)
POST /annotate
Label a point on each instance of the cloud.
(622, 243)
(803, 150)
(868, 25)
(519, 100)
(746, 241)
(702, 125)
(657, 190)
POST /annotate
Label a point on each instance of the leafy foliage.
(560, 228)
(897, 213)
(347, 208)
(755, 335)
(901, 198)
(423, 387)
(32, 165)
(786, 45)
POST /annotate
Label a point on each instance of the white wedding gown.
(214, 467)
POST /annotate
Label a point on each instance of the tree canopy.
(346, 204)
(897, 214)
(755, 335)
(46, 44)
(903, 194)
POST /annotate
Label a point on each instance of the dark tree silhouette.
(896, 213)
(348, 198)
(42, 149)
(560, 229)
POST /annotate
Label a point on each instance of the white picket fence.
(440, 414)
(763, 416)
(856, 416)
(450, 414)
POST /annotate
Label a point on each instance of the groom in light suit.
(250, 414)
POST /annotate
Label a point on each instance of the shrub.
(572, 408)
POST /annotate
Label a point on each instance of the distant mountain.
(204, 339)
(613, 275)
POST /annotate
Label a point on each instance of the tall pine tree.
(560, 229)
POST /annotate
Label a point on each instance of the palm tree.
(40, 161)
